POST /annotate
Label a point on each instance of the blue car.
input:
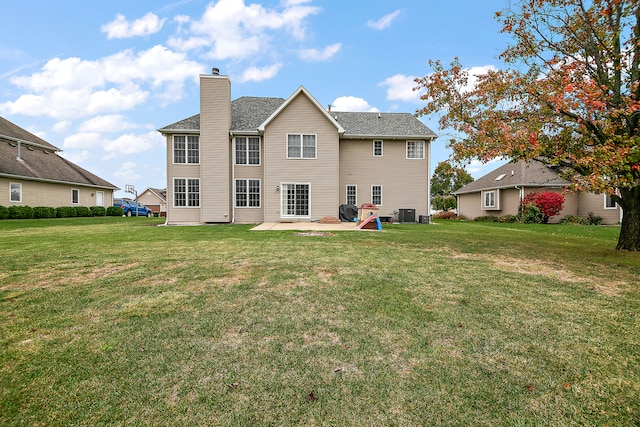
(129, 208)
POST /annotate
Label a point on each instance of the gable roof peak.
(301, 91)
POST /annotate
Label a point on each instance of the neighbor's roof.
(521, 174)
(38, 160)
(249, 113)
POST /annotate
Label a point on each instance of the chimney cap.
(215, 71)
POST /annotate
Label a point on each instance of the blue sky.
(97, 79)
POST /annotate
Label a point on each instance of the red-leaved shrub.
(548, 202)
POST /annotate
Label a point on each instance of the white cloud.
(106, 123)
(384, 22)
(127, 172)
(320, 55)
(132, 144)
(478, 169)
(120, 28)
(259, 74)
(400, 88)
(76, 156)
(229, 29)
(351, 103)
(61, 126)
(82, 140)
(71, 88)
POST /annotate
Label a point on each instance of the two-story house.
(257, 159)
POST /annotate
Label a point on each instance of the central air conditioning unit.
(406, 215)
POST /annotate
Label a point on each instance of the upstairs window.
(186, 149)
(247, 150)
(301, 146)
(415, 149)
(377, 148)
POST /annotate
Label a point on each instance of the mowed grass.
(117, 321)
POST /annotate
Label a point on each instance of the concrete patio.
(305, 226)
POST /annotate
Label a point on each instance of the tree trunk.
(629, 238)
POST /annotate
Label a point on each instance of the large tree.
(568, 95)
(446, 179)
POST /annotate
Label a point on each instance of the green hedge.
(20, 212)
(114, 211)
(44, 212)
(27, 212)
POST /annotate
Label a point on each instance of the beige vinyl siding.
(181, 215)
(591, 202)
(36, 193)
(215, 147)
(301, 116)
(249, 215)
(404, 181)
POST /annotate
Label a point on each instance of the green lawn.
(116, 321)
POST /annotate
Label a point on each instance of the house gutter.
(54, 181)
(35, 144)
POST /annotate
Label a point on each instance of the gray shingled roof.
(521, 173)
(39, 162)
(381, 124)
(247, 113)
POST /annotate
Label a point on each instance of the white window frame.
(15, 188)
(414, 150)
(373, 196)
(354, 195)
(75, 196)
(188, 194)
(189, 153)
(246, 154)
(607, 198)
(283, 200)
(301, 147)
(248, 193)
(494, 195)
(381, 147)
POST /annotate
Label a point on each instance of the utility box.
(423, 219)
(366, 210)
(406, 215)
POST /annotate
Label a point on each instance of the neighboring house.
(499, 193)
(155, 199)
(32, 173)
(257, 160)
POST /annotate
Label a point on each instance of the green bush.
(98, 210)
(574, 220)
(66, 212)
(4, 212)
(44, 212)
(20, 212)
(486, 218)
(594, 219)
(444, 203)
(509, 218)
(83, 211)
(531, 214)
(114, 211)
